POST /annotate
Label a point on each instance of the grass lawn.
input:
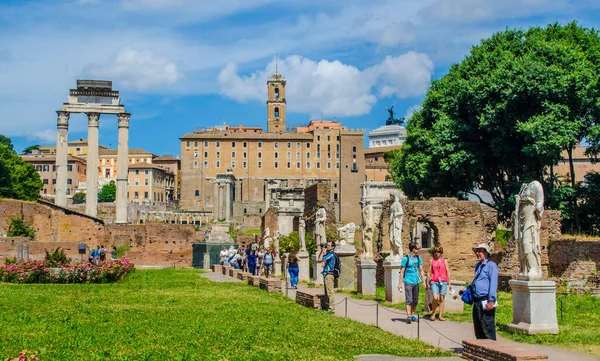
(177, 315)
(579, 328)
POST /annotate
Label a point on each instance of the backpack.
(337, 266)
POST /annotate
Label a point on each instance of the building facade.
(234, 172)
(387, 135)
(150, 183)
(45, 165)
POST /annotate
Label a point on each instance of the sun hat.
(482, 246)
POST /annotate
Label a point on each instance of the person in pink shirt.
(438, 279)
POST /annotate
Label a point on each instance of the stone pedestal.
(317, 269)
(366, 268)
(392, 278)
(452, 302)
(277, 267)
(346, 254)
(206, 261)
(303, 264)
(534, 307)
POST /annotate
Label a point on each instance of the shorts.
(439, 288)
(412, 294)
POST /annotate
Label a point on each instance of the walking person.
(328, 277)
(411, 274)
(252, 257)
(438, 279)
(293, 270)
(113, 253)
(484, 296)
(268, 261)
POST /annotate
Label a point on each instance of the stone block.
(366, 276)
(317, 271)
(534, 307)
(225, 270)
(254, 280)
(392, 279)
(217, 268)
(243, 276)
(478, 350)
(346, 254)
(304, 266)
(234, 272)
(270, 284)
(310, 298)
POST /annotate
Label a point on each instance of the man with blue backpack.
(331, 271)
(411, 274)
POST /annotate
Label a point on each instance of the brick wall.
(563, 252)
(315, 196)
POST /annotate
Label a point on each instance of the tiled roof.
(383, 149)
(132, 151)
(166, 157)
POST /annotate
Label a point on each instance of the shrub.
(502, 236)
(10, 260)
(78, 198)
(19, 228)
(24, 356)
(56, 258)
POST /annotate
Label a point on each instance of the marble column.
(122, 167)
(91, 199)
(228, 192)
(62, 154)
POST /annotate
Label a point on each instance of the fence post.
(418, 326)
(377, 314)
(346, 309)
(561, 310)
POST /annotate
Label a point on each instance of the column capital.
(63, 119)
(93, 119)
(123, 120)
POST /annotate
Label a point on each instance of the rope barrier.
(441, 334)
(360, 304)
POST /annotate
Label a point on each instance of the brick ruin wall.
(563, 252)
(150, 244)
(315, 196)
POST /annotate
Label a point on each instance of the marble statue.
(396, 217)
(301, 234)
(276, 242)
(368, 230)
(266, 238)
(320, 220)
(528, 220)
(346, 233)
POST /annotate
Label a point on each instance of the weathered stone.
(310, 298)
(366, 276)
(478, 350)
(534, 307)
(254, 280)
(270, 284)
(346, 254)
(392, 280)
(217, 268)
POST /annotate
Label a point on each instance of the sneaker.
(408, 320)
(413, 318)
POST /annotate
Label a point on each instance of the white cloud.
(402, 32)
(331, 88)
(412, 110)
(47, 136)
(137, 69)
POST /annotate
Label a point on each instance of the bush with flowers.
(24, 356)
(43, 272)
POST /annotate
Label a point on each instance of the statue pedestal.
(534, 307)
(303, 264)
(452, 302)
(317, 271)
(346, 254)
(277, 267)
(366, 276)
(392, 278)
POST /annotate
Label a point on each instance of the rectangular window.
(259, 155)
(276, 145)
(276, 164)
(218, 154)
(206, 143)
(233, 164)
(328, 165)
(205, 164)
(318, 147)
(218, 144)
(337, 147)
(338, 138)
(337, 155)
(245, 164)
(187, 144)
(146, 181)
(276, 155)
(218, 164)
(195, 164)
(45, 182)
(318, 165)
(145, 195)
(146, 172)
(307, 145)
(328, 155)
(289, 155)
(307, 155)
(297, 155)
(289, 165)
(245, 155)
(328, 138)
(69, 181)
(260, 144)
(245, 144)
(318, 155)
(137, 182)
(259, 164)
(318, 138)
(354, 149)
(232, 144)
(337, 165)
(205, 154)
(136, 195)
(329, 147)
(289, 145)
(69, 168)
(196, 144)
(137, 172)
(54, 181)
(298, 165)
(232, 154)
(307, 165)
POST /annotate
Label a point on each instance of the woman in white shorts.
(438, 279)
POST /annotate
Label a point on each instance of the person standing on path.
(438, 279)
(293, 270)
(268, 261)
(484, 297)
(411, 274)
(328, 278)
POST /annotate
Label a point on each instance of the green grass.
(177, 315)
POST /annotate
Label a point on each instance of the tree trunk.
(573, 182)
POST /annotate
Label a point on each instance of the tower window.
(276, 145)
(233, 144)
(218, 144)
(260, 144)
(259, 164)
(259, 155)
(276, 112)
(245, 144)
(197, 193)
(276, 93)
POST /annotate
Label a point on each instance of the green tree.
(504, 114)
(19, 228)
(79, 198)
(31, 148)
(18, 179)
(108, 193)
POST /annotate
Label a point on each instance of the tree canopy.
(108, 193)
(31, 148)
(503, 115)
(18, 179)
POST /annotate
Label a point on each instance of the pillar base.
(367, 269)
(346, 254)
(303, 264)
(534, 307)
(392, 279)
(317, 271)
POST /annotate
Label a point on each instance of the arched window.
(197, 193)
(276, 93)
(276, 112)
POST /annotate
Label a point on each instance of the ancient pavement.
(446, 335)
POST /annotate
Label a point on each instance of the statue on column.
(528, 221)
(395, 223)
(301, 234)
(320, 220)
(368, 230)
(266, 237)
(276, 242)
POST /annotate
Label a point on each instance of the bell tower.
(276, 102)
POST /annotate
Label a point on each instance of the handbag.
(468, 294)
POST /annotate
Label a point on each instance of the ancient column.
(91, 199)
(122, 167)
(228, 191)
(62, 149)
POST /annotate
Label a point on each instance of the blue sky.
(182, 64)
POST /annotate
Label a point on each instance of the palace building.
(233, 172)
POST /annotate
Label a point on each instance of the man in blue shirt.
(484, 299)
(328, 277)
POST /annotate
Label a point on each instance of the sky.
(180, 65)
